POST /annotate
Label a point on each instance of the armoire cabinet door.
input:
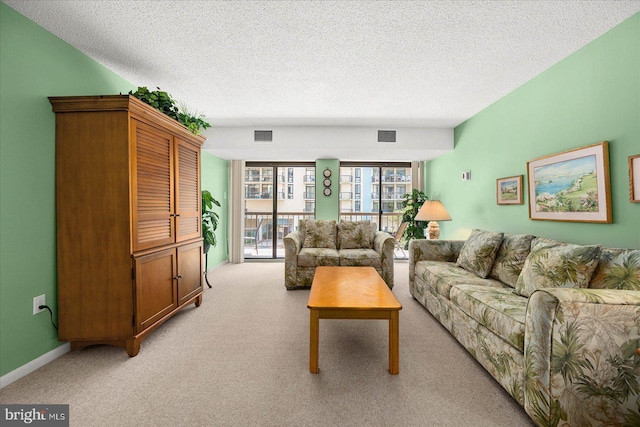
(152, 187)
(188, 197)
(155, 287)
(189, 271)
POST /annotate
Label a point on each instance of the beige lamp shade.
(433, 211)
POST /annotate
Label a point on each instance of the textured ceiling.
(384, 64)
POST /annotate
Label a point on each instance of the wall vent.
(386, 136)
(263, 136)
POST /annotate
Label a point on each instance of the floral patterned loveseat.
(324, 242)
(556, 324)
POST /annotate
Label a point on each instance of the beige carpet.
(241, 359)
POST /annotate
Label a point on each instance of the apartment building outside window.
(310, 192)
(267, 218)
(375, 192)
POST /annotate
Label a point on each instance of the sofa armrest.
(432, 250)
(384, 243)
(292, 242)
(292, 245)
(580, 361)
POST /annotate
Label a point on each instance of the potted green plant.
(410, 206)
(209, 220)
(162, 101)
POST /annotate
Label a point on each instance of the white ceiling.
(379, 64)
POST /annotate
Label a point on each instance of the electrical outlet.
(37, 302)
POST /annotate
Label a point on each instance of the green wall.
(328, 207)
(215, 178)
(591, 96)
(34, 64)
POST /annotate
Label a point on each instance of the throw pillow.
(355, 235)
(557, 265)
(617, 269)
(510, 258)
(301, 230)
(320, 233)
(479, 252)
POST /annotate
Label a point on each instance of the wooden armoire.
(129, 245)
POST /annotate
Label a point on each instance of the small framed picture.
(634, 178)
(509, 190)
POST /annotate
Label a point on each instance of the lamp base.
(433, 230)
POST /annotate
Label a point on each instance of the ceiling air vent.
(263, 136)
(386, 136)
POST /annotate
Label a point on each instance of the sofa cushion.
(313, 257)
(617, 269)
(355, 235)
(360, 257)
(319, 233)
(501, 311)
(441, 276)
(510, 258)
(554, 264)
(479, 252)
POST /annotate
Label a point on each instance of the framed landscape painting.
(571, 186)
(509, 190)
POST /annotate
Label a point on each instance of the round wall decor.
(327, 182)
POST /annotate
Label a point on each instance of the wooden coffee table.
(352, 293)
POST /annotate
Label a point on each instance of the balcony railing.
(346, 178)
(389, 196)
(309, 195)
(259, 232)
(346, 195)
(309, 178)
(259, 229)
(389, 222)
(392, 196)
(258, 195)
(392, 178)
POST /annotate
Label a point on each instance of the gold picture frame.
(634, 178)
(571, 186)
(509, 190)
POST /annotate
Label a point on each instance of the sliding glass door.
(277, 196)
(374, 191)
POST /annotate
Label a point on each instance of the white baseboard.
(26, 369)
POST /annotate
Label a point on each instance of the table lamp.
(433, 211)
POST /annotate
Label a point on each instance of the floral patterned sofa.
(324, 242)
(556, 324)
